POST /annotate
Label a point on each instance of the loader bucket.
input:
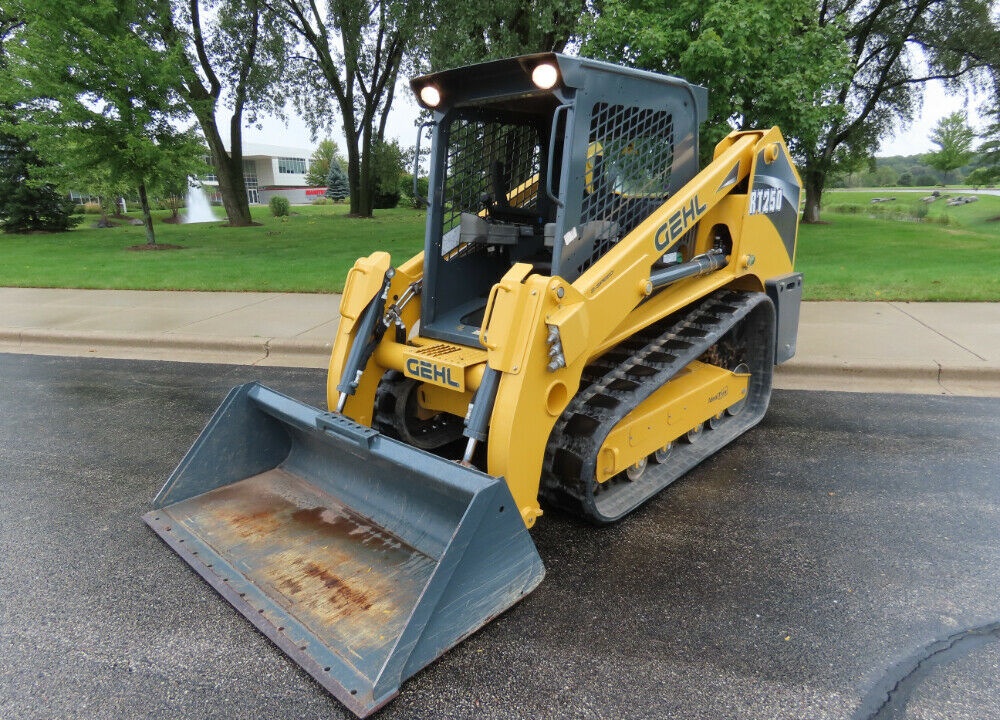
(363, 558)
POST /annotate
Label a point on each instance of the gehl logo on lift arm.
(678, 223)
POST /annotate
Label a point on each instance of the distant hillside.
(900, 171)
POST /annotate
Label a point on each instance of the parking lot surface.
(839, 561)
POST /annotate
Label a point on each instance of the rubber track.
(625, 376)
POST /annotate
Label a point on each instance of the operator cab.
(542, 159)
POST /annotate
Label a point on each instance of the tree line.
(110, 83)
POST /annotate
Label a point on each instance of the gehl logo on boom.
(678, 223)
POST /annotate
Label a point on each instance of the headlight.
(430, 96)
(545, 76)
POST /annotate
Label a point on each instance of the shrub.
(322, 201)
(92, 208)
(387, 167)
(406, 191)
(846, 209)
(279, 206)
(173, 203)
(919, 210)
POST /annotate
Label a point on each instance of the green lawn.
(856, 257)
(851, 256)
(309, 251)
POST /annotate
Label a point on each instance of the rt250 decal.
(765, 201)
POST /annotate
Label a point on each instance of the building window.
(210, 176)
(292, 166)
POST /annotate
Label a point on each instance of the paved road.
(847, 546)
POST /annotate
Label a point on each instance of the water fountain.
(198, 208)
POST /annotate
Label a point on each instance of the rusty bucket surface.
(363, 558)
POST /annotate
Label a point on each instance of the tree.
(9, 24)
(475, 32)
(767, 50)
(352, 54)
(987, 169)
(337, 187)
(326, 153)
(766, 62)
(896, 47)
(106, 120)
(387, 167)
(235, 59)
(954, 137)
(26, 205)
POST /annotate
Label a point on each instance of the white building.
(271, 170)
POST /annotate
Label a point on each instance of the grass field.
(857, 257)
(849, 257)
(954, 256)
(309, 251)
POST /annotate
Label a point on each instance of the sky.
(296, 134)
(911, 140)
(915, 139)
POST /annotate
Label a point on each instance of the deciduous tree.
(765, 62)
(351, 55)
(325, 154)
(226, 55)
(988, 166)
(473, 32)
(92, 99)
(896, 47)
(388, 165)
(785, 63)
(954, 137)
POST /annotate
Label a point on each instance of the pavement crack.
(938, 332)
(889, 697)
(940, 371)
(267, 352)
(220, 313)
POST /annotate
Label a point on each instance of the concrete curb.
(230, 350)
(901, 370)
(104, 338)
(926, 377)
(802, 372)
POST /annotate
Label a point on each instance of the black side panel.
(786, 294)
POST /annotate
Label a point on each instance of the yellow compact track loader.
(590, 318)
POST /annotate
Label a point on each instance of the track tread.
(623, 378)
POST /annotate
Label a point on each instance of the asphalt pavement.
(929, 348)
(839, 561)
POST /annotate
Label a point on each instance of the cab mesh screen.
(629, 157)
(488, 158)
